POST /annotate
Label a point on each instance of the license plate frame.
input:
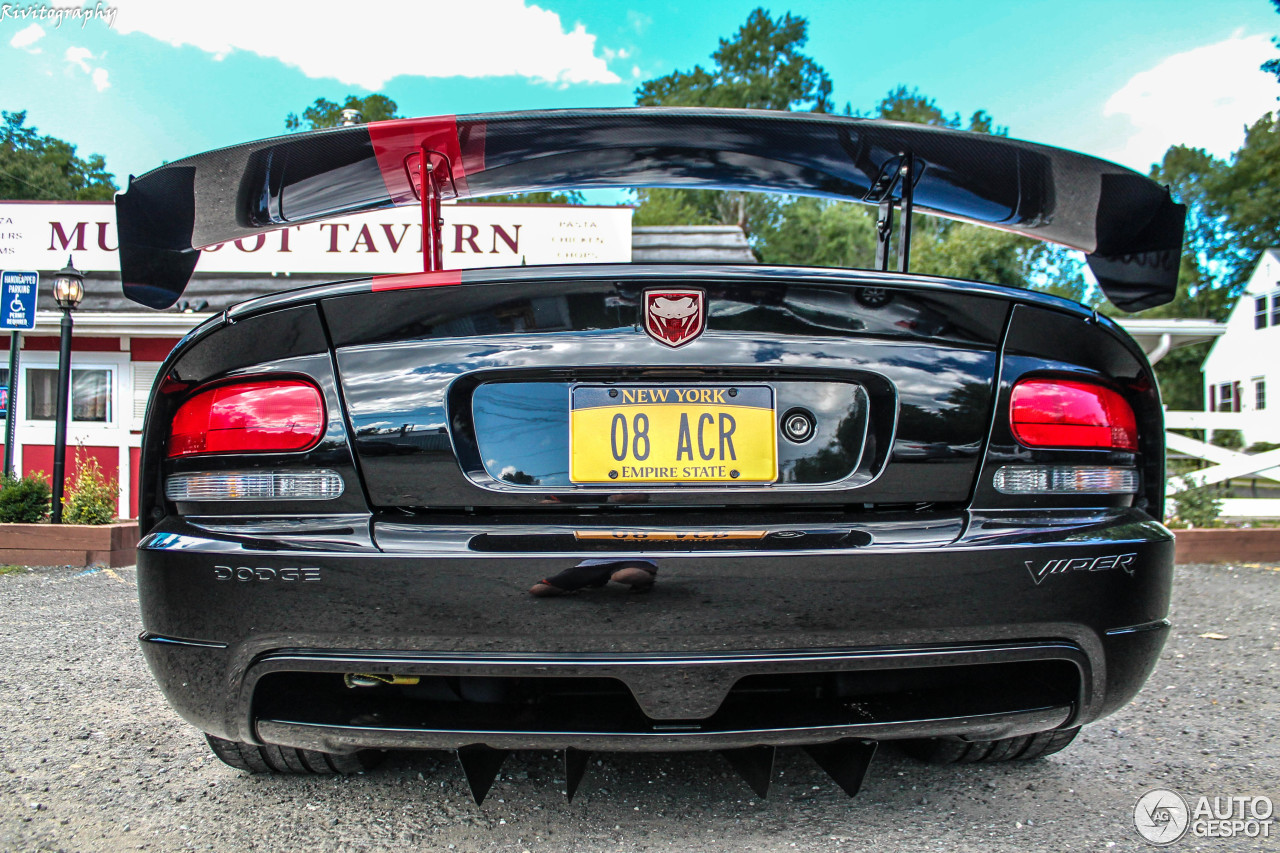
(738, 446)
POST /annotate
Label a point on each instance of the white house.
(1244, 363)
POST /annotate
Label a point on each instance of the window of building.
(1260, 312)
(1226, 397)
(1260, 394)
(1275, 308)
(4, 392)
(90, 394)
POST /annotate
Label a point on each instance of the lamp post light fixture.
(68, 290)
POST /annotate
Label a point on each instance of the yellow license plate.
(636, 434)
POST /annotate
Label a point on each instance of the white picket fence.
(1224, 464)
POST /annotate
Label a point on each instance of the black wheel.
(284, 759)
(873, 297)
(1023, 748)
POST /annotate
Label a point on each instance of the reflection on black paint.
(837, 456)
(523, 427)
(838, 311)
(929, 431)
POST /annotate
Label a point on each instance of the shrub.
(92, 498)
(1198, 506)
(1261, 447)
(24, 500)
(1231, 439)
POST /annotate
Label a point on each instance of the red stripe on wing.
(407, 281)
(395, 141)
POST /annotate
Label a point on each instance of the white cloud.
(367, 45)
(79, 57)
(26, 37)
(1202, 98)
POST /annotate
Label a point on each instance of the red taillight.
(1067, 413)
(261, 416)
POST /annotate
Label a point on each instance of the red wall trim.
(135, 465)
(49, 343)
(151, 349)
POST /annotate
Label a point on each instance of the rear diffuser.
(846, 761)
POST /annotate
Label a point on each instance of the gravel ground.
(91, 758)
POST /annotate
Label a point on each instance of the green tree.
(326, 113)
(749, 211)
(46, 168)
(1247, 194)
(902, 104)
(760, 68)
(818, 232)
(660, 206)
(960, 250)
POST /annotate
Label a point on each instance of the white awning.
(1158, 336)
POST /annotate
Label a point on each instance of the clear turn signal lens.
(1065, 479)
(254, 486)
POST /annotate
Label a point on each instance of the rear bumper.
(773, 644)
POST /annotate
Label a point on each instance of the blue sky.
(153, 80)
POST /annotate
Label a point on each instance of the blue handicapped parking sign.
(18, 291)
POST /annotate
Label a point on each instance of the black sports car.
(859, 505)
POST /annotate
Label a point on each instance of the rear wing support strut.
(426, 178)
(884, 228)
(905, 205)
(432, 221)
(904, 175)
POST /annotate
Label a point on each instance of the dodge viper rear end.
(651, 508)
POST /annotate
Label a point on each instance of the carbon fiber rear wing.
(1129, 227)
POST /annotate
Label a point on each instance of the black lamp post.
(68, 290)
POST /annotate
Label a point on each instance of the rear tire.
(1023, 748)
(284, 759)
